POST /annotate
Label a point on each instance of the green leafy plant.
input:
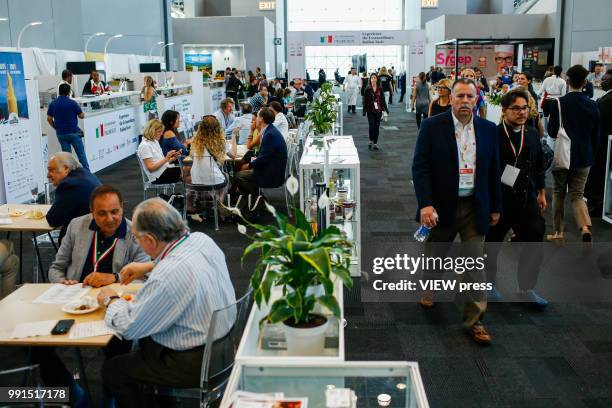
(322, 113)
(495, 98)
(292, 257)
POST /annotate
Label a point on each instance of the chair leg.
(215, 210)
(287, 202)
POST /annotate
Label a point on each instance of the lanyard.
(174, 245)
(516, 156)
(97, 259)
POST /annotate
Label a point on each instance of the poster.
(488, 58)
(199, 61)
(13, 99)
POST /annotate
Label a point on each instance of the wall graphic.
(13, 100)
(489, 58)
(199, 62)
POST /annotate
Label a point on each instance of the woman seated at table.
(170, 140)
(157, 165)
(209, 151)
(254, 139)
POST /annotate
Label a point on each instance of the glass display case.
(369, 383)
(108, 101)
(607, 203)
(330, 165)
(176, 90)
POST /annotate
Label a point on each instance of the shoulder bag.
(563, 145)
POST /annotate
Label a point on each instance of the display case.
(108, 102)
(372, 383)
(175, 90)
(333, 162)
(607, 204)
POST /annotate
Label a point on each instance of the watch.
(109, 299)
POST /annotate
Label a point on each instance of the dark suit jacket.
(269, 166)
(581, 122)
(435, 170)
(368, 101)
(72, 198)
(605, 111)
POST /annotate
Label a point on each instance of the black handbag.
(547, 156)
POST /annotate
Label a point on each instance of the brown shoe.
(427, 299)
(480, 334)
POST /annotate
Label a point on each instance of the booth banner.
(184, 106)
(488, 58)
(15, 131)
(196, 61)
(110, 137)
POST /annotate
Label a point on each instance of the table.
(18, 308)
(21, 225)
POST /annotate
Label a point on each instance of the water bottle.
(422, 233)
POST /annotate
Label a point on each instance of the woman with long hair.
(385, 83)
(421, 99)
(442, 103)
(170, 140)
(374, 105)
(149, 98)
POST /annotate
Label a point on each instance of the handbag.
(563, 145)
(547, 156)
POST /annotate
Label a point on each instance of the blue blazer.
(269, 166)
(435, 170)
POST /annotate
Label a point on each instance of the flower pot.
(306, 341)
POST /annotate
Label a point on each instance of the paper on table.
(90, 329)
(31, 329)
(60, 294)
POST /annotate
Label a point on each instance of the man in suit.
(73, 186)
(267, 170)
(594, 189)
(95, 249)
(457, 183)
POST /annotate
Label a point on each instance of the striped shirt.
(257, 102)
(175, 305)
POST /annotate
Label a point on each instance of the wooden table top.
(24, 224)
(18, 308)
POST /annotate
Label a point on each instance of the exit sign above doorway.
(267, 5)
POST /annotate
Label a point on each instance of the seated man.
(225, 113)
(268, 169)
(97, 245)
(73, 186)
(242, 123)
(280, 121)
(172, 312)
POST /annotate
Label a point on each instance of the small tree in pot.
(322, 111)
(295, 259)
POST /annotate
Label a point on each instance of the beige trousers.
(570, 182)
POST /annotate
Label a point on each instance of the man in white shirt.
(597, 75)
(242, 124)
(280, 121)
(352, 84)
(552, 88)
(225, 113)
(66, 79)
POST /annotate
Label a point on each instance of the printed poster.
(199, 61)
(13, 99)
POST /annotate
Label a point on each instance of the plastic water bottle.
(422, 233)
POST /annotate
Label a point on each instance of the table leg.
(82, 374)
(52, 241)
(8, 235)
(20, 257)
(40, 263)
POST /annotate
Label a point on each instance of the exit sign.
(429, 3)
(267, 5)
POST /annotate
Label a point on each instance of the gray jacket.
(71, 256)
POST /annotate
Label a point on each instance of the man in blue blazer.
(268, 169)
(457, 183)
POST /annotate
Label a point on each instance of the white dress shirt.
(280, 122)
(244, 123)
(150, 149)
(225, 121)
(553, 86)
(175, 305)
(465, 136)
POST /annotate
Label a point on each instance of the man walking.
(456, 179)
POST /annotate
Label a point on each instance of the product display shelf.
(267, 343)
(339, 169)
(607, 203)
(374, 383)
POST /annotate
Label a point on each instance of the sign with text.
(488, 58)
(267, 5)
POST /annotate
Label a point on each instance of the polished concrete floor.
(560, 357)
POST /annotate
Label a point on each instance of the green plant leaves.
(319, 259)
(330, 302)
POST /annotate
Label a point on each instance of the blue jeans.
(74, 140)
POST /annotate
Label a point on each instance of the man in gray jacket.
(97, 245)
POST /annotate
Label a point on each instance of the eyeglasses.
(502, 59)
(442, 87)
(519, 108)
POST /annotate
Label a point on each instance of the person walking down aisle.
(579, 117)
(385, 83)
(442, 104)
(552, 87)
(402, 86)
(523, 196)
(421, 99)
(456, 179)
(374, 105)
(352, 85)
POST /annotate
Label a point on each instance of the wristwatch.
(109, 299)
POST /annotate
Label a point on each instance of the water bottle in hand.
(422, 233)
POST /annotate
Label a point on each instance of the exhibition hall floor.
(560, 357)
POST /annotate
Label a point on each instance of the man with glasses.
(523, 192)
(458, 194)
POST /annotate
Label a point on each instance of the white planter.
(306, 342)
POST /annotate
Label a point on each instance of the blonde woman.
(442, 103)
(209, 152)
(385, 84)
(149, 98)
(157, 165)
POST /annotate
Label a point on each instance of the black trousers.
(170, 175)
(529, 226)
(402, 95)
(151, 364)
(374, 126)
(419, 118)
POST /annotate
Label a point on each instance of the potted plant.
(322, 113)
(295, 259)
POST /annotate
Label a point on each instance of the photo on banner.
(489, 58)
(13, 99)
(199, 61)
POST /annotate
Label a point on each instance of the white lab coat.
(352, 83)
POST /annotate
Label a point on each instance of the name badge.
(466, 179)
(376, 105)
(510, 175)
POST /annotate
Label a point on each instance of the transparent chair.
(27, 376)
(157, 188)
(292, 149)
(222, 340)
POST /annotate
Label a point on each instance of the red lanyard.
(95, 259)
(174, 245)
(516, 156)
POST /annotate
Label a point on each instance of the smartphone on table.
(63, 326)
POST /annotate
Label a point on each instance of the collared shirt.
(465, 137)
(151, 149)
(104, 243)
(280, 122)
(71, 95)
(175, 305)
(65, 113)
(257, 102)
(593, 76)
(553, 86)
(224, 120)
